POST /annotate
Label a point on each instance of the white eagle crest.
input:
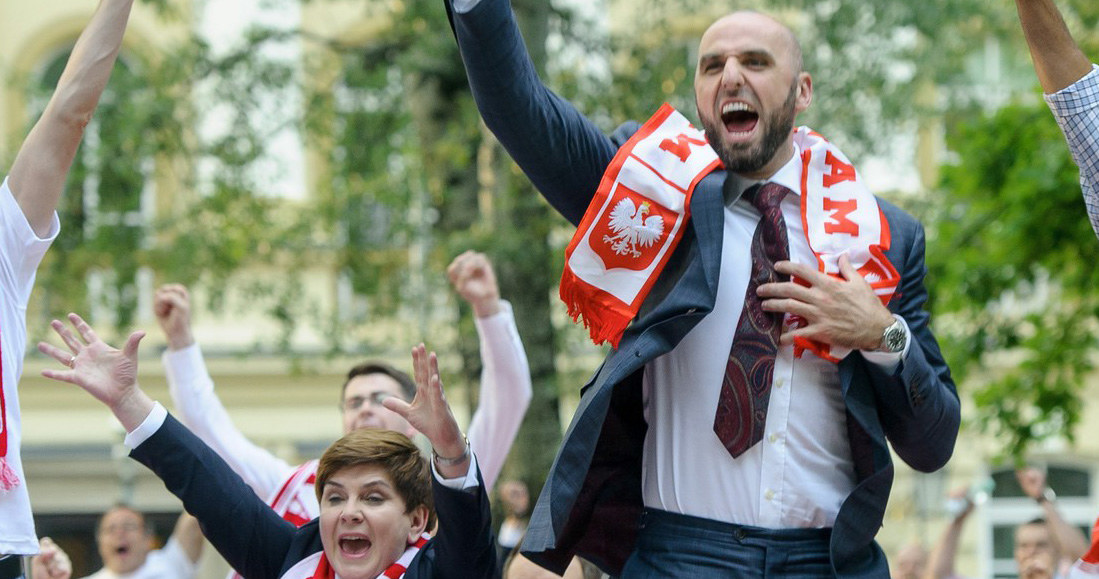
(632, 229)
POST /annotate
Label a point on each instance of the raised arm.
(1071, 542)
(943, 555)
(430, 414)
(463, 545)
(242, 527)
(188, 534)
(1072, 91)
(562, 152)
(505, 376)
(198, 405)
(38, 174)
(1058, 60)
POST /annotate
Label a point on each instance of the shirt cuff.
(463, 6)
(501, 317)
(147, 428)
(462, 483)
(888, 361)
(1076, 97)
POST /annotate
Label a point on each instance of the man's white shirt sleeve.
(200, 409)
(505, 392)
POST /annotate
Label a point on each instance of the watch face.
(894, 337)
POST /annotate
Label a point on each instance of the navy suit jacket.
(592, 497)
(259, 544)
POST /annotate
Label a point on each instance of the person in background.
(1044, 547)
(504, 396)
(515, 501)
(125, 544)
(910, 562)
(375, 488)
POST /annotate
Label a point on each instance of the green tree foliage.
(1011, 271)
(405, 163)
(869, 60)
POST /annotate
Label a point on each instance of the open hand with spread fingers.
(430, 414)
(842, 312)
(105, 372)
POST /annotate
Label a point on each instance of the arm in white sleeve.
(505, 392)
(201, 410)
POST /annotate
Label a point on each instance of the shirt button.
(773, 437)
(780, 383)
(769, 495)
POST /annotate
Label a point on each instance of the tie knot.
(766, 197)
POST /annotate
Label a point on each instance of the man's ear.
(805, 92)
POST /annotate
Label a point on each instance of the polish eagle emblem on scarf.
(631, 229)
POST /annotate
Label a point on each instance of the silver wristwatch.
(893, 338)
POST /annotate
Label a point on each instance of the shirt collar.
(789, 176)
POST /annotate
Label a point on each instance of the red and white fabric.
(642, 205)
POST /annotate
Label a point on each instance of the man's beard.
(749, 158)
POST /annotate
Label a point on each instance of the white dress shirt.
(802, 470)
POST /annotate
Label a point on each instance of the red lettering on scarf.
(681, 146)
(840, 171)
(840, 210)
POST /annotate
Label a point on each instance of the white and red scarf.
(642, 205)
(316, 566)
(287, 501)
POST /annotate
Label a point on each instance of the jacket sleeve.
(562, 152)
(505, 393)
(193, 395)
(251, 537)
(463, 547)
(918, 401)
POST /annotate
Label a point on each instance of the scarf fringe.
(8, 479)
(604, 316)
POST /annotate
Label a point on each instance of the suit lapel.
(708, 220)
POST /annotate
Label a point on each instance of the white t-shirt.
(20, 253)
(167, 563)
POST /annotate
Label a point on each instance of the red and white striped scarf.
(287, 502)
(642, 205)
(317, 566)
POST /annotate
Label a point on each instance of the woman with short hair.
(377, 496)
